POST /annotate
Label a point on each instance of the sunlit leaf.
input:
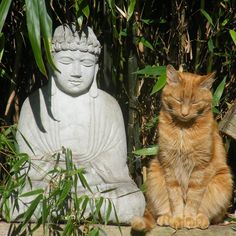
(233, 35)
(218, 92)
(208, 17)
(117, 219)
(65, 191)
(94, 232)
(4, 8)
(225, 21)
(31, 208)
(108, 211)
(33, 192)
(68, 228)
(149, 151)
(99, 203)
(86, 10)
(84, 182)
(33, 26)
(46, 27)
(17, 166)
(159, 84)
(146, 43)
(131, 9)
(84, 204)
(152, 70)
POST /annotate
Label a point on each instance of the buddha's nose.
(76, 70)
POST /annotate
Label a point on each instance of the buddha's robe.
(93, 128)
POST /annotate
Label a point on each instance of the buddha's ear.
(172, 76)
(207, 80)
(94, 88)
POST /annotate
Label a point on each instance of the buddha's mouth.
(75, 82)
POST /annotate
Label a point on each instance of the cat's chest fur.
(178, 152)
(183, 160)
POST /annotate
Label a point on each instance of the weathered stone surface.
(71, 112)
(214, 230)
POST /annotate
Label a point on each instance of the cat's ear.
(172, 76)
(207, 80)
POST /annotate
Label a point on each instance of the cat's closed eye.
(179, 101)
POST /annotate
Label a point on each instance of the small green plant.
(62, 209)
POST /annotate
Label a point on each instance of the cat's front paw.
(202, 221)
(190, 222)
(163, 220)
(176, 222)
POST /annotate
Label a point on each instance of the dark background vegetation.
(191, 35)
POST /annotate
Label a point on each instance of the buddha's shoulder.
(107, 99)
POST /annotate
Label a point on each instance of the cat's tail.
(145, 223)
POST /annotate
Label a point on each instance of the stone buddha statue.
(71, 112)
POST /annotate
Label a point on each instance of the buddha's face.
(76, 71)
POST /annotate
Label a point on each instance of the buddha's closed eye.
(87, 62)
(65, 60)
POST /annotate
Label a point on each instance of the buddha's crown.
(66, 37)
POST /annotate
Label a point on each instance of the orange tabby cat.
(189, 184)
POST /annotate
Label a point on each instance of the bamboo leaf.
(99, 205)
(46, 27)
(45, 210)
(68, 228)
(146, 43)
(84, 182)
(31, 209)
(64, 193)
(4, 8)
(210, 45)
(86, 10)
(218, 92)
(149, 151)
(16, 167)
(94, 232)
(208, 17)
(159, 84)
(111, 4)
(108, 212)
(233, 35)
(33, 192)
(152, 70)
(84, 204)
(33, 26)
(117, 219)
(131, 6)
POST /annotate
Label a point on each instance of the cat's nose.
(185, 110)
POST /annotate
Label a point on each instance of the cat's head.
(187, 96)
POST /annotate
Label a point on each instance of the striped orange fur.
(189, 183)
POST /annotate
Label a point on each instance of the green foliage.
(233, 35)
(63, 203)
(149, 151)
(218, 94)
(4, 8)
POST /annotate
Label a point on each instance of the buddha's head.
(76, 57)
